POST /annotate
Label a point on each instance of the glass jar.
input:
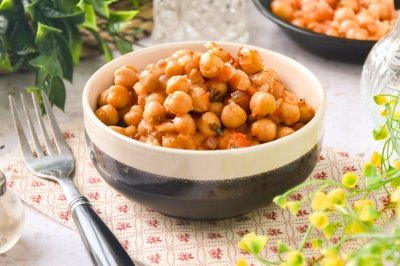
(11, 216)
(381, 70)
(195, 20)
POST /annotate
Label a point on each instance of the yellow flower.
(350, 179)
(330, 252)
(293, 206)
(359, 204)
(367, 213)
(376, 159)
(241, 262)
(332, 261)
(280, 200)
(319, 220)
(316, 243)
(396, 164)
(337, 196)
(380, 99)
(295, 258)
(356, 227)
(253, 243)
(320, 202)
(395, 197)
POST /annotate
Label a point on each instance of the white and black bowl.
(205, 185)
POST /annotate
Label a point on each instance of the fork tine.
(36, 142)
(58, 136)
(49, 146)
(23, 142)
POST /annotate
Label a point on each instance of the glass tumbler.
(195, 20)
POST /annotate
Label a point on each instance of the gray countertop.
(348, 128)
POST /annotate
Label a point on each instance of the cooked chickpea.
(107, 114)
(149, 79)
(283, 9)
(216, 108)
(240, 80)
(217, 90)
(126, 77)
(262, 104)
(290, 113)
(250, 61)
(185, 124)
(209, 124)
(210, 65)
(195, 77)
(283, 132)
(201, 102)
(102, 99)
(134, 115)
(178, 103)
(178, 83)
(118, 96)
(144, 128)
(233, 115)
(218, 51)
(156, 97)
(242, 99)
(264, 130)
(306, 113)
(173, 68)
(171, 140)
(264, 77)
(154, 113)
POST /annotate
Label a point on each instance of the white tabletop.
(348, 128)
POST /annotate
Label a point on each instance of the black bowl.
(341, 49)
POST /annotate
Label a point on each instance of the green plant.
(44, 36)
(344, 208)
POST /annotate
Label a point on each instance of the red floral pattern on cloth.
(154, 239)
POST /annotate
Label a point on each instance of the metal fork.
(56, 163)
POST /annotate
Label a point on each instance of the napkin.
(154, 239)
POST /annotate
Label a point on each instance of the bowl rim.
(90, 114)
(311, 34)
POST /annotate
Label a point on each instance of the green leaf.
(369, 170)
(5, 63)
(330, 230)
(49, 63)
(90, 18)
(282, 248)
(77, 17)
(65, 6)
(280, 200)
(56, 92)
(21, 38)
(104, 46)
(101, 7)
(73, 36)
(6, 5)
(380, 132)
(123, 15)
(44, 31)
(123, 46)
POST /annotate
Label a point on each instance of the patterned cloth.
(154, 239)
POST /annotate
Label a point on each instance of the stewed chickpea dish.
(202, 101)
(352, 19)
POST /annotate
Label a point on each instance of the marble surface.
(348, 128)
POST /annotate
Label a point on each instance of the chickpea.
(122, 111)
(173, 68)
(217, 89)
(131, 131)
(171, 140)
(226, 72)
(193, 64)
(201, 102)
(195, 77)
(277, 90)
(216, 108)
(178, 103)
(307, 112)
(357, 34)
(126, 77)
(283, 9)
(233, 115)
(250, 61)
(283, 132)
(210, 65)
(242, 99)
(264, 130)
(144, 128)
(346, 25)
(297, 126)
(107, 114)
(154, 113)
(290, 113)
(209, 124)
(149, 79)
(167, 126)
(102, 99)
(118, 96)
(239, 80)
(185, 124)
(218, 51)
(262, 104)
(134, 115)
(141, 93)
(380, 10)
(162, 82)
(178, 83)
(182, 52)
(156, 97)
(264, 77)
(344, 13)
(210, 143)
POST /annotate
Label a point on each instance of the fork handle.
(100, 242)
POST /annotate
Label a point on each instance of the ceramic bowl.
(336, 48)
(204, 185)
